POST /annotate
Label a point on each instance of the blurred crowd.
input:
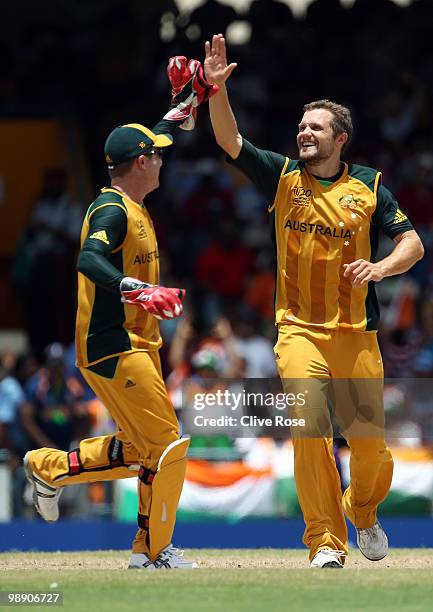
(103, 63)
(47, 403)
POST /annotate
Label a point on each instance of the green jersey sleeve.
(107, 231)
(388, 216)
(262, 167)
(166, 127)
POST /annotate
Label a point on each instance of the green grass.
(234, 581)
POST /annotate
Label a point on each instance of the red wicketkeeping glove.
(201, 87)
(189, 90)
(160, 302)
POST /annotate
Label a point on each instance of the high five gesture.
(217, 72)
(215, 65)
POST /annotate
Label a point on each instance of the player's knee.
(368, 449)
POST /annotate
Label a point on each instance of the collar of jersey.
(122, 195)
(339, 180)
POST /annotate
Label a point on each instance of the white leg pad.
(166, 490)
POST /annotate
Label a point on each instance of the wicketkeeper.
(117, 336)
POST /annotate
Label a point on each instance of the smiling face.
(316, 139)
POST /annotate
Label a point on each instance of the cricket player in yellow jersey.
(117, 337)
(327, 216)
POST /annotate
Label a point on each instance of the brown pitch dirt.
(211, 559)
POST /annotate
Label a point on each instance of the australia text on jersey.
(317, 228)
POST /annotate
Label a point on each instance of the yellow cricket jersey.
(320, 225)
(117, 240)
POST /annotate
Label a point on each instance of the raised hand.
(189, 90)
(215, 65)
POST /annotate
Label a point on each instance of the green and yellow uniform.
(121, 231)
(327, 329)
(117, 350)
(320, 225)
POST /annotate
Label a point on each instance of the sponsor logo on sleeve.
(399, 216)
(102, 236)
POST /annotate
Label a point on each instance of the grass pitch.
(228, 580)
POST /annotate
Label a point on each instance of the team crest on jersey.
(301, 196)
(142, 234)
(349, 201)
(399, 216)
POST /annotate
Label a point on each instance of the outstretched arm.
(223, 121)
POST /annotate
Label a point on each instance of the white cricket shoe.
(140, 561)
(169, 558)
(45, 496)
(372, 542)
(172, 558)
(328, 558)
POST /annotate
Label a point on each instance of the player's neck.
(325, 168)
(127, 188)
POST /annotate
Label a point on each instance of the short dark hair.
(342, 119)
(119, 170)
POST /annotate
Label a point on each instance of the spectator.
(12, 437)
(416, 195)
(261, 289)
(222, 269)
(45, 258)
(54, 415)
(255, 349)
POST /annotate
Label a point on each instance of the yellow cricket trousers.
(137, 399)
(351, 363)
